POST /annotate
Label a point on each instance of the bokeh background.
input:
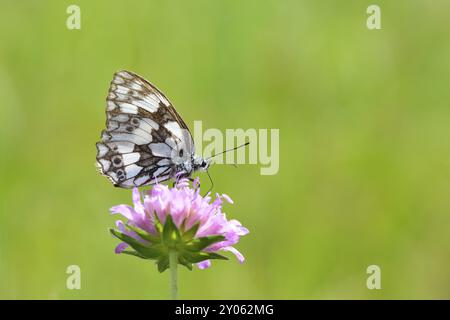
(364, 121)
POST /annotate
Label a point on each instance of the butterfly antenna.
(212, 183)
(232, 149)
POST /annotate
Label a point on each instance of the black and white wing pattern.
(145, 138)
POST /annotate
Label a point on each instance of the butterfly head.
(201, 163)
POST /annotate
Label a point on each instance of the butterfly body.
(145, 140)
(187, 167)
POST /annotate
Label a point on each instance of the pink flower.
(200, 226)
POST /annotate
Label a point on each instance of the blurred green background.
(364, 119)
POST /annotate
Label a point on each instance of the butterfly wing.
(144, 135)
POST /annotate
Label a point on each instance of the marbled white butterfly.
(145, 140)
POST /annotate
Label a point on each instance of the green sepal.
(163, 263)
(158, 224)
(190, 234)
(196, 257)
(146, 251)
(170, 235)
(201, 243)
(144, 234)
(134, 253)
(184, 262)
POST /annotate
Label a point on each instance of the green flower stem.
(173, 264)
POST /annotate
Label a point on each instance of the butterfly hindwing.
(144, 134)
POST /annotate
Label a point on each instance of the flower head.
(179, 219)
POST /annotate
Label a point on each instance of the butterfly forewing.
(144, 135)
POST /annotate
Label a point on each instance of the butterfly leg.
(189, 178)
(212, 183)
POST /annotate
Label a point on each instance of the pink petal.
(120, 225)
(204, 264)
(196, 183)
(183, 183)
(120, 247)
(138, 206)
(238, 255)
(238, 228)
(227, 198)
(124, 210)
(136, 196)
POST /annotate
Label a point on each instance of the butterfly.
(145, 140)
